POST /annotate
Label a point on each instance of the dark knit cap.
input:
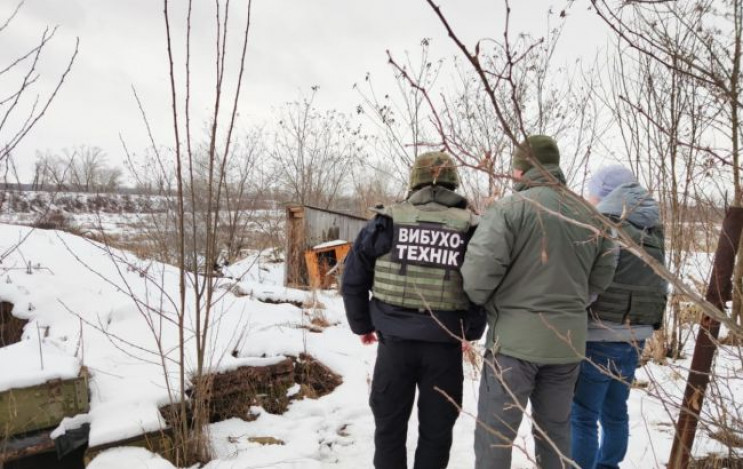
(543, 148)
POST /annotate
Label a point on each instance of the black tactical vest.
(637, 295)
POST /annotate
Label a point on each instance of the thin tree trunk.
(737, 311)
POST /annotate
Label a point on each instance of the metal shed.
(309, 226)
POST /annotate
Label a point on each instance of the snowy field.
(119, 216)
(113, 313)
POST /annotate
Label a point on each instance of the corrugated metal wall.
(322, 226)
(310, 226)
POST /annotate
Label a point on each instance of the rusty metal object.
(719, 292)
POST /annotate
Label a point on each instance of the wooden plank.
(327, 249)
(313, 269)
(342, 251)
(295, 273)
(161, 442)
(312, 208)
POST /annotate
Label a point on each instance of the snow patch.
(28, 363)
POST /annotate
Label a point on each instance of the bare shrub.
(54, 220)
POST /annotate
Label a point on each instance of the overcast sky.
(293, 45)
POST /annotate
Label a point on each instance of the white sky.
(294, 44)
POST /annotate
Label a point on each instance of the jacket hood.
(633, 202)
(439, 195)
(535, 177)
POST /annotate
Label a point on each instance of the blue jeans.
(601, 395)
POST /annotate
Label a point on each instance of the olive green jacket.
(534, 271)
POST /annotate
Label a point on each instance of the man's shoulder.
(379, 222)
(542, 191)
(508, 204)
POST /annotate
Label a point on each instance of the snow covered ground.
(114, 313)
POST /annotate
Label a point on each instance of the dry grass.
(142, 245)
(265, 440)
(314, 378)
(474, 357)
(318, 323)
(321, 321)
(232, 393)
(314, 309)
(717, 461)
(312, 303)
(728, 438)
(655, 349)
(690, 313)
(636, 384)
(732, 340)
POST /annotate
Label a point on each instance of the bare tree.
(24, 101)
(314, 151)
(701, 41)
(693, 49)
(401, 119)
(373, 186)
(83, 169)
(50, 171)
(246, 187)
(522, 79)
(199, 164)
(86, 164)
(149, 171)
(662, 118)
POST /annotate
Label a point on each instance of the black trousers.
(401, 366)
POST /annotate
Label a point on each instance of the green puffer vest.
(637, 294)
(421, 271)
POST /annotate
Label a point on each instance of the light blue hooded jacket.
(633, 203)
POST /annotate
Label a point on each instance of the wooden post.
(719, 292)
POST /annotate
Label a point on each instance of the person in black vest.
(621, 319)
(409, 257)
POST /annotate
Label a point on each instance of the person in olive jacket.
(534, 261)
(409, 257)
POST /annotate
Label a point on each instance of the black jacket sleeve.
(475, 322)
(477, 317)
(358, 272)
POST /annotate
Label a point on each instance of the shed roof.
(335, 212)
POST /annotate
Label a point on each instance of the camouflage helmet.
(434, 167)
